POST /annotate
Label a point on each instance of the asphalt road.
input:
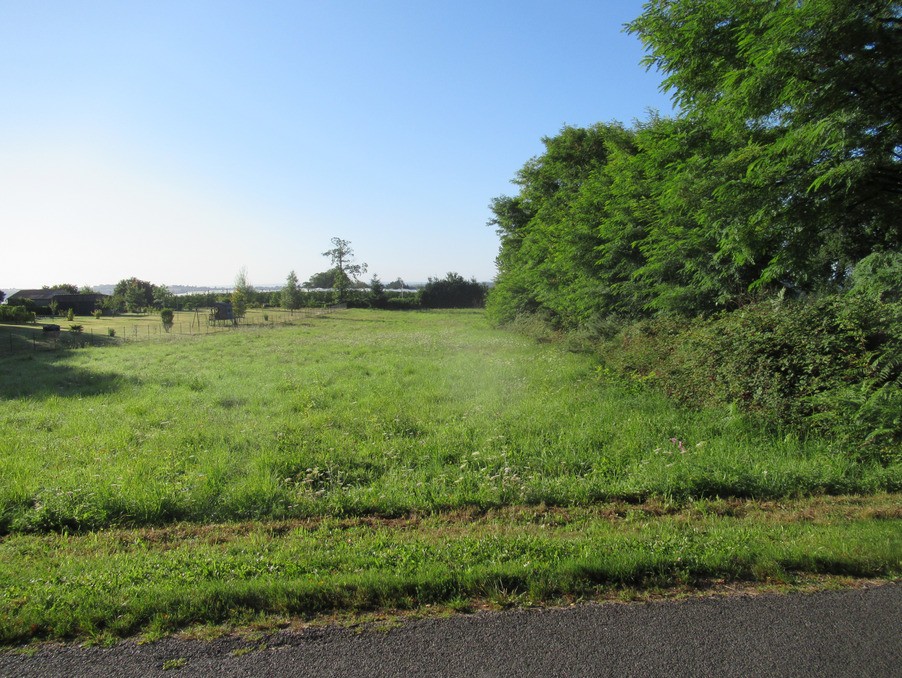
(842, 633)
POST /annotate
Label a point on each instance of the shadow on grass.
(40, 374)
(19, 339)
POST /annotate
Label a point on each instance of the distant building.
(81, 304)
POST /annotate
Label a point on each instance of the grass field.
(368, 460)
(133, 327)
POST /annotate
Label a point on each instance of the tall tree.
(134, 293)
(808, 95)
(291, 292)
(241, 294)
(346, 271)
(163, 297)
(134, 299)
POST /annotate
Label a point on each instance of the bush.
(78, 329)
(453, 292)
(830, 364)
(402, 303)
(97, 314)
(110, 332)
(70, 315)
(16, 314)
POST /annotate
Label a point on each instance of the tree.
(807, 97)
(325, 280)
(62, 287)
(85, 289)
(135, 294)
(162, 297)
(241, 294)
(346, 272)
(291, 293)
(135, 299)
(2, 296)
(397, 284)
(452, 292)
(377, 292)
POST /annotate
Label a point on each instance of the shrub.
(830, 363)
(167, 315)
(78, 329)
(70, 315)
(452, 292)
(16, 314)
(403, 303)
(97, 314)
(110, 332)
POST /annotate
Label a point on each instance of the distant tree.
(135, 294)
(162, 297)
(114, 304)
(291, 293)
(2, 296)
(397, 284)
(453, 291)
(324, 280)
(85, 289)
(241, 294)
(377, 292)
(346, 272)
(62, 287)
(135, 299)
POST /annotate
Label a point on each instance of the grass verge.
(155, 581)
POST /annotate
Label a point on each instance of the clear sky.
(177, 141)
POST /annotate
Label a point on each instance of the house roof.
(37, 295)
(47, 295)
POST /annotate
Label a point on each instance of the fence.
(16, 339)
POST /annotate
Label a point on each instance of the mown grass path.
(368, 460)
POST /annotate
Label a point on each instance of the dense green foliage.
(781, 176)
(16, 313)
(783, 170)
(831, 365)
(452, 291)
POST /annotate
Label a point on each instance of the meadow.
(378, 460)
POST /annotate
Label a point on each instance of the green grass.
(126, 327)
(366, 413)
(368, 460)
(155, 581)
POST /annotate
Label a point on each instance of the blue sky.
(180, 141)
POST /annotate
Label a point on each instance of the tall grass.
(366, 413)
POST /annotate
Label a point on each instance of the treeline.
(779, 183)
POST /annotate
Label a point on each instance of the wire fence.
(42, 337)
